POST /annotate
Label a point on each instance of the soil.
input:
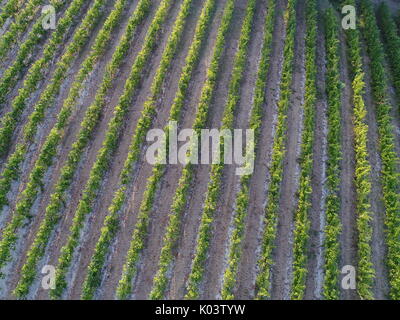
(260, 179)
(283, 255)
(314, 281)
(216, 262)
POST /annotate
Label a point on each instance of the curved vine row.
(11, 119)
(11, 171)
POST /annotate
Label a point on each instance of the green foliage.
(11, 171)
(36, 71)
(333, 226)
(19, 26)
(158, 170)
(49, 148)
(389, 174)
(392, 43)
(366, 272)
(265, 262)
(125, 284)
(10, 10)
(110, 141)
(214, 186)
(97, 262)
(57, 199)
(242, 198)
(302, 221)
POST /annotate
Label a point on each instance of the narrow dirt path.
(348, 238)
(260, 179)
(283, 256)
(315, 263)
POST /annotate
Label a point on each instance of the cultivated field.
(85, 215)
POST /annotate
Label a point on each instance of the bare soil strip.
(162, 204)
(252, 241)
(283, 256)
(90, 155)
(348, 238)
(315, 264)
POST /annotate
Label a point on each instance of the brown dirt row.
(162, 205)
(283, 256)
(165, 194)
(314, 281)
(260, 179)
(173, 172)
(117, 259)
(348, 237)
